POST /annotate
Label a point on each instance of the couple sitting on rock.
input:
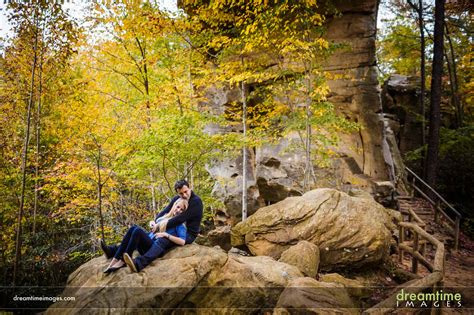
(177, 224)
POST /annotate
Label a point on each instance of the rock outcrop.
(355, 90)
(228, 187)
(400, 99)
(206, 280)
(191, 276)
(349, 231)
(276, 171)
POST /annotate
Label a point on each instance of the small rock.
(237, 251)
(304, 256)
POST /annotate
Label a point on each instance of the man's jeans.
(137, 239)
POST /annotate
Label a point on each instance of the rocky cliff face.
(400, 100)
(357, 94)
(275, 172)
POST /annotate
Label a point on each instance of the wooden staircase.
(429, 223)
(431, 212)
(426, 214)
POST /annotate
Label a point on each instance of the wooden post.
(413, 187)
(401, 240)
(414, 260)
(456, 233)
(437, 207)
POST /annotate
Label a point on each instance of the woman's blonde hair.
(170, 214)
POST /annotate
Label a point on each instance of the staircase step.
(410, 243)
(418, 213)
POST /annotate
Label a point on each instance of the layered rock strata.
(349, 231)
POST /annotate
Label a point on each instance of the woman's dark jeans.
(137, 239)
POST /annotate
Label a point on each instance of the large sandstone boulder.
(309, 296)
(304, 256)
(191, 276)
(349, 231)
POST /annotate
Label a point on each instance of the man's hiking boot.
(106, 249)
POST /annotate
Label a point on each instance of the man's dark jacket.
(192, 216)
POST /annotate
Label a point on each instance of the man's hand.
(162, 234)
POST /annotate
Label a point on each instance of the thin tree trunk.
(191, 94)
(422, 72)
(308, 172)
(153, 196)
(99, 193)
(454, 82)
(244, 153)
(431, 165)
(25, 158)
(452, 88)
(38, 139)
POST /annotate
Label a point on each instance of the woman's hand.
(162, 234)
(174, 239)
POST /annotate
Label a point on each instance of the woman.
(138, 239)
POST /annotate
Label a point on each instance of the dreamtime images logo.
(438, 299)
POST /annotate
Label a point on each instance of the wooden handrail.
(456, 222)
(417, 219)
(438, 264)
(434, 192)
(432, 280)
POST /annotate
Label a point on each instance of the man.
(192, 217)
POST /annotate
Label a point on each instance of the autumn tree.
(276, 49)
(43, 34)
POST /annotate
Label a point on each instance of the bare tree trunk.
(99, 192)
(25, 157)
(191, 95)
(308, 172)
(419, 10)
(431, 165)
(244, 153)
(452, 88)
(454, 81)
(38, 138)
(153, 197)
(422, 72)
